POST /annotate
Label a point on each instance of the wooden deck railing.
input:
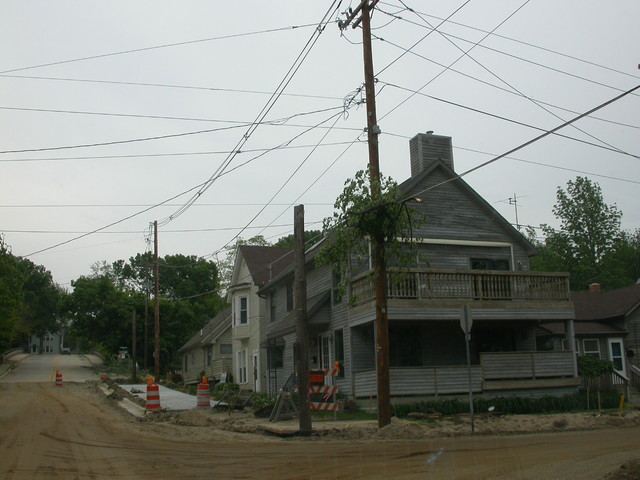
(526, 365)
(465, 285)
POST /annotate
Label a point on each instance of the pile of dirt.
(627, 471)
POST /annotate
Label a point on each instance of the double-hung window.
(241, 316)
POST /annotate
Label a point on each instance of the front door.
(616, 355)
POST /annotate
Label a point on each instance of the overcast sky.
(87, 89)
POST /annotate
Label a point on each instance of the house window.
(242, 366)
(489, 264)
(226, 349)
(186, 363)
(338, 350)
(242, 311)
(209, 356)
(405, 347)
(272, 307)
(591, 347)
(289, 296)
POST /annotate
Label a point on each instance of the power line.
(182, 154)
(114, 205)
(156, 47)
(163, 137)
(288, 77)
(515, 40)
(466, 53)
(168, 85)
(539, 137)
(516, 122)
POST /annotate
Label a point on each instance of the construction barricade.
(58, 379)
(317, 387)
(153, 395)
(204, 395)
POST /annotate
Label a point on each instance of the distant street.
(42, 368)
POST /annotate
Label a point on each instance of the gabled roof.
(265, 263)
(410, 187)
(619, 303)
(206, 334)
(288, 323)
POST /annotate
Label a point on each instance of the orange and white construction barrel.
(203, 398)
(58, 379)
(153, 395)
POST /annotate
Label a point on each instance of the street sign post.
(466, 322)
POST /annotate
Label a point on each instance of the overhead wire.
(164, 137)
(523, 145)
(466, 53)
(516, 122)
(263, 113)
(155, 47)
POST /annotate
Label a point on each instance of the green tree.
(225, 266)
(358, 217)
(310, 238)
(30, 301)
(589, 230)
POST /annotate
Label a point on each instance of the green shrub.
(508, 405)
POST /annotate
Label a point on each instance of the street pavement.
(23, 368)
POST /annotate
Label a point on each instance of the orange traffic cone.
(58, 379)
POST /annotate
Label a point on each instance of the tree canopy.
(30, 301)
(589, 244)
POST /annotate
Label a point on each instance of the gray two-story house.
(467, 254)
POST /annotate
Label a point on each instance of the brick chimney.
(424, 148)
(594, 288)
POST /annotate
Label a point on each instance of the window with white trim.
(241, 313)
(242, 366)
(591, 347)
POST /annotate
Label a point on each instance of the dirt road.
(74, 432)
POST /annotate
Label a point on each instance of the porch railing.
(465, 285)
(608, 382)
(446, 380)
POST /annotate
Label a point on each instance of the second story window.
(241, 316)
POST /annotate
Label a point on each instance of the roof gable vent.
(425, 148)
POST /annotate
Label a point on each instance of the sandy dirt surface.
(75, 432)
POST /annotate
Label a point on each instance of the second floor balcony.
(464, 286)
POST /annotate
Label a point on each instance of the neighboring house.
(254, 267)
(607, 326)
(209, 350)
(49, 343)
(468, 254)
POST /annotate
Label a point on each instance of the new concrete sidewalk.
(169, 399)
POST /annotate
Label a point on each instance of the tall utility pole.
(134, 369)
(156, 309)
(300, 291)
(380, 269)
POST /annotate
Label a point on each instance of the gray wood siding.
(453, 213)
(421, 381)
(526, 365)
(363, 348)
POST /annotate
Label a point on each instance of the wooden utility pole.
(134, 370)
(380, 269)
(156, 309)
(300, 304)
